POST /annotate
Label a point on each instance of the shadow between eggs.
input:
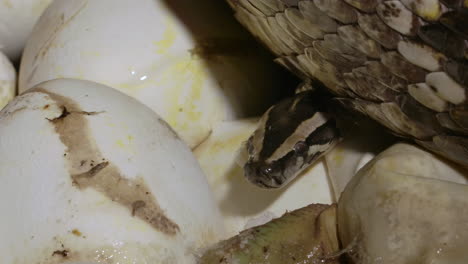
(227, 49)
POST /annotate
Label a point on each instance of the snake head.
(291, 135)
(264, 175)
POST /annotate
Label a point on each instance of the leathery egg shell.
(242, 204)
(17, 18)
(89, 174)
(404, 202)
(7, 80)
(167, 54)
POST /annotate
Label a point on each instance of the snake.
(291, 135)
(402, 63)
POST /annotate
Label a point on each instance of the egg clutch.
(123, 128)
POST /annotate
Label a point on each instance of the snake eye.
(301, 147)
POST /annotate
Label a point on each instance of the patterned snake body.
(403, 63)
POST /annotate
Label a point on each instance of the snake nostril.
(278, 180)
(265, 170)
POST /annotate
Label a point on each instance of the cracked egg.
(91, 175)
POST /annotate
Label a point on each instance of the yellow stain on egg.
(111, 124)
(184, 80)
(58, 68)
(224, 149)
(93, 54)
(7, 3)
(235, 173)
(230, 144)
(131, 88)
(120, 143)
(168, 38)
(125, 143)
(3, 101)
(338, 155)
(76, 232)
(39, 6)
(7, 93)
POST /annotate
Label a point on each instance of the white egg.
(191, 63)
(89, 174)
(242, 204)
(362, 141)
(7, 80)
(17, 19)
(405, 206)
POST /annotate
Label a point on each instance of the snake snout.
(263, 175)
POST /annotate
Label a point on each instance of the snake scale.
(403, 63)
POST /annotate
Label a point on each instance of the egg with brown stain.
(89, 174)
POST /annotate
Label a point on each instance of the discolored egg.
(83, 180)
